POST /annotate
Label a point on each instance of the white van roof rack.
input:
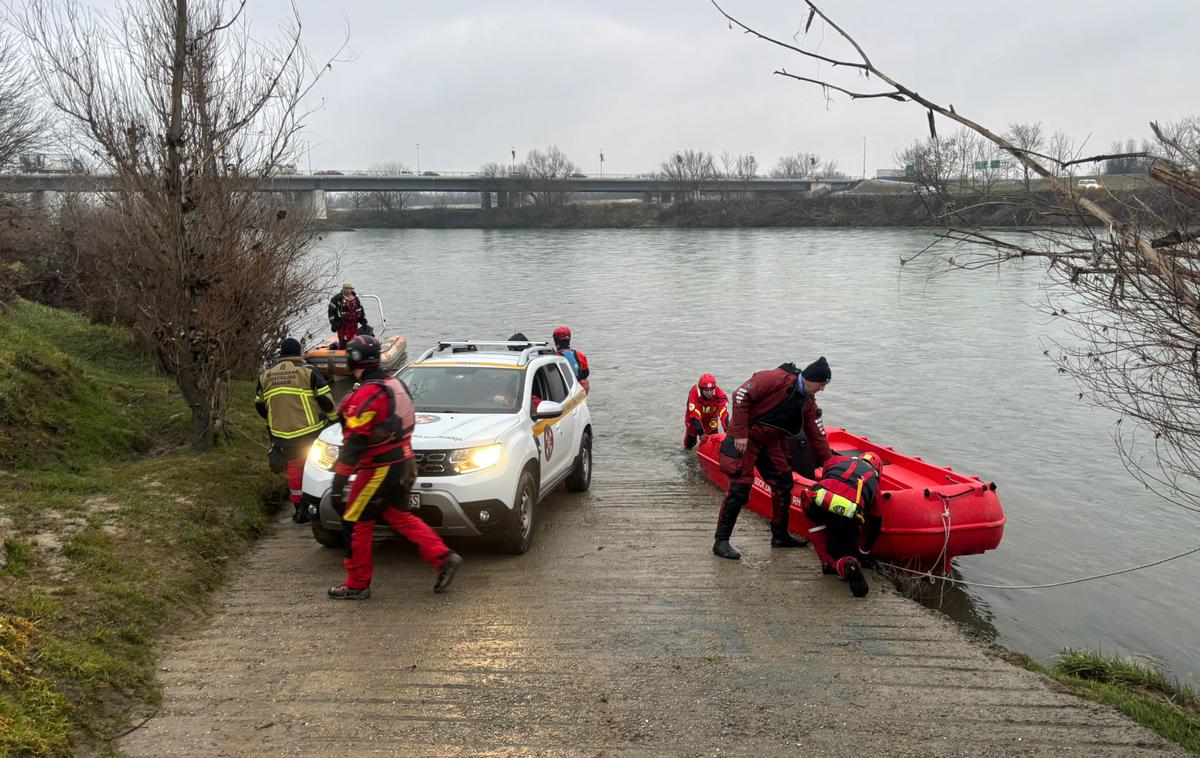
(529, 348)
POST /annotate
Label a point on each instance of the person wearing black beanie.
(818, 371)
(769, 408)
(289, 348)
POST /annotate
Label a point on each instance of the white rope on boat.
(962, 582)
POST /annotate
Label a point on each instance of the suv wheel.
(323, 535)
(581, 476)
(518, 535)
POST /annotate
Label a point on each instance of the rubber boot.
(725, 550)
(450, 564)
(301, 514)
(853, 572)
(737, 497)
(781, 537)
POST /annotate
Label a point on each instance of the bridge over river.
(309, 189)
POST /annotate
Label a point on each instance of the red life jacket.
(400, 425)
(381, 411)
(712, 414)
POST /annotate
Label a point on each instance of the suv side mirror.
(547, 409)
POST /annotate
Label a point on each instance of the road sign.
(910, 169)
(995, 164)
(980, 165)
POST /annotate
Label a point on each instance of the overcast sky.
(469, 80)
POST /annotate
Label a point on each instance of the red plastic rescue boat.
(931, 514)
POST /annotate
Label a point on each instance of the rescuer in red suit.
(838, 505)
(707, 411)
(377, 422)
(768, 408)
(578, 361)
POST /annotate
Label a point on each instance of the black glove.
(337, 495)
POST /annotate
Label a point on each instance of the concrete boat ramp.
(618, 634)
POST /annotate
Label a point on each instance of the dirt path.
(617, 634)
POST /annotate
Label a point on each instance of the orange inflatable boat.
(332, 363)
(931, 514)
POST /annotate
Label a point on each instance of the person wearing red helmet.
(838, 505)
(768, 408)
(377, 423)
(707, 411)
(578, 361)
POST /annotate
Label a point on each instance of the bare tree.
(687, 170)
(1129, 158)
(494, 170)
(550, 163)
(797, 166)
(829, 170)
(23, 124)
(736, 171)
(1130, 268)
(387, 201)
(1062, 149)
(932, 164)
(192, 116)
(982, 164)
(1027, 137)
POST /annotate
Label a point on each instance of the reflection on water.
(950, 599)
(949, 367)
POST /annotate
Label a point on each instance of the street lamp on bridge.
(418, 159)
(601, 161)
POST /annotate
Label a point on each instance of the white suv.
(486, 456)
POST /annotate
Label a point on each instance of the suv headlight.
(324, 455)
(470, 459)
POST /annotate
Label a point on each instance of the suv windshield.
(464, 389)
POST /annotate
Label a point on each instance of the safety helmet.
(873, 459)
(362, 352)
(562, 334)
(707, 382)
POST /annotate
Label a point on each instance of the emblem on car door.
(548, 442)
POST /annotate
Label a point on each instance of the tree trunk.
(191, 348)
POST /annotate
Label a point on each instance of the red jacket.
(713, 415)
(761, 400)
(377, 424)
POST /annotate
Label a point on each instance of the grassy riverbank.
(1146, 696)
(113, 532)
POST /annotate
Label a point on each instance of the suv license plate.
(414, 500)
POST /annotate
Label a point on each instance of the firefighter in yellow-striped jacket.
(297, 404)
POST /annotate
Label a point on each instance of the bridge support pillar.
(313, 201)
(485, 201)
(665, 198)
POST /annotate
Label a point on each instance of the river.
(949, 367)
